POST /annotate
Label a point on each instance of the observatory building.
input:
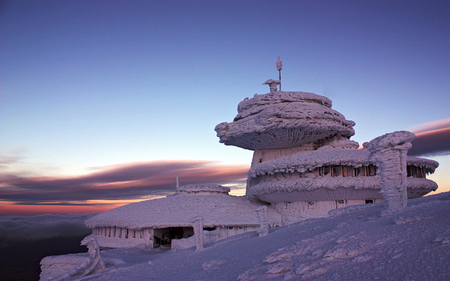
(304, 165)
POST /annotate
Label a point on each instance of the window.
(345, 171)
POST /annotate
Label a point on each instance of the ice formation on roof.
(355, 243)
(180, 209)
(283, 120)
(203, 189)
(304, 166)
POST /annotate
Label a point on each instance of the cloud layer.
(43, 226)
(118, 182)
(143, 180)
(432, 139)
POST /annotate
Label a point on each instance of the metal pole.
(279, 67)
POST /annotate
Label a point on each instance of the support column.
(197, 224)
(263, 221)
(389, 154)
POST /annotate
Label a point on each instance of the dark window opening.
(369, 201)
(416, 172)
(163, 236)
(210, 228)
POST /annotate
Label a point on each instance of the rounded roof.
(283, 120)
(180, 210)
(203, 189)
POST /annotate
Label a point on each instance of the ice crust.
(309, 160)
(283, 120)
(203, 189)
(355, 243)
(294, 135)
(179, 210)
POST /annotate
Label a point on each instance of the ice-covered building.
(304, 165)
(169, 222)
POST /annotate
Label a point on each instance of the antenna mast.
(279, 67)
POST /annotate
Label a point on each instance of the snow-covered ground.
(355, 243)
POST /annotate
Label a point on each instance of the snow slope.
(355, 243)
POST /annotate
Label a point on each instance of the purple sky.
(87, 86)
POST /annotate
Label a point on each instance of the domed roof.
(203, 189)
(283, 120)
(209, 201)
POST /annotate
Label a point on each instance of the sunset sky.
(105, 102)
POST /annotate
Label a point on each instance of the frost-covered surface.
(389, 153)
(429, 164)
(51, 267)
(180, 210)
(249, 106)
(283, 120)
(329, 188)
(356, 243)
(203, 189)
(116, 242)
(309, 160)
(276, 180)
(323, 188)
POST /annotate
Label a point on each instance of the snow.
(389, 153)
(283, 120)
(278, 180)
(203, 189)
(309, 160)
(429, 164)
(180, 210)
(304, 165)
(354, 243)
(324, 156)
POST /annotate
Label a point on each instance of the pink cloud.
(432, 139)
(124, 181)
(431, 126)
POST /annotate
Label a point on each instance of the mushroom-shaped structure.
(305, 164)
(169, 221)
(284, 120)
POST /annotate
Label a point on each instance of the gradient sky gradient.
(91, 88)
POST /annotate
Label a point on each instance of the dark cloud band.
(119, 182)
(431, 143)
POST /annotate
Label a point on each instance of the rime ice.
(304, 166)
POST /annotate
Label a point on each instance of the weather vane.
(279, 67)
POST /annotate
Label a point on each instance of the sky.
(104, 103)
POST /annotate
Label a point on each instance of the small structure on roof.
(273, 85)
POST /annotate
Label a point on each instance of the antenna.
(178, 181)
(279, 67)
